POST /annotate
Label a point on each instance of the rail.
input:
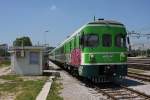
(119, 92)
(139, 76)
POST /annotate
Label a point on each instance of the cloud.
(53, 7)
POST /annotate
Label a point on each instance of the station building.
(28, 60)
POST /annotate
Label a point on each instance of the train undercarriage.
(103, 73)
(96, 73)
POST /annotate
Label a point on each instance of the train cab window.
(120, 40)
(107, 40)
(91, 40)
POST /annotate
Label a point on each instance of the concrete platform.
(52, 72)
(52, 66)
(45, 90)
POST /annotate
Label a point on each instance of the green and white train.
(96, 51)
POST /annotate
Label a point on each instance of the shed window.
(107, 40)
(34, 57)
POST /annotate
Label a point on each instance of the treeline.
(22, 41)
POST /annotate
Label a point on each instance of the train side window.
(120, 40)
(91, 40)
(70, 45)
(107, 40)
(62, 50)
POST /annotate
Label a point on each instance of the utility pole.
(45, 37)
(94, 18)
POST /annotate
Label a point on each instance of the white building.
(4, 47)
(27, 60)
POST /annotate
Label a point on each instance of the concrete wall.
(22, 66)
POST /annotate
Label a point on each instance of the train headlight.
(122, 56)
(92, 57)
(114, 74)
(108, 67)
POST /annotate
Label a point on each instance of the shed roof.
(11, 49)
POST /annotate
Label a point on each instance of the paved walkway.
(45, 90)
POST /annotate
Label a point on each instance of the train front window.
(107, 40)
(91, 40)
(120, 40)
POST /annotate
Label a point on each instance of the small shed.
(27, 60)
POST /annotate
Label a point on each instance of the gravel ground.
(142, 86)
(75, 90)
(138, 85)
(5, 71)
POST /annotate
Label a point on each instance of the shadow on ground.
(131, 82)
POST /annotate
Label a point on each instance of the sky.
(51, 21)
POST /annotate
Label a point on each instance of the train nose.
(110, 70)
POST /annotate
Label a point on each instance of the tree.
(25, 41)
(2, 52)
(148, 52)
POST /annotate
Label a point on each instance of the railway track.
(139, 63)
(119, 92)
(139, 66)
(139, 76)
(114, 91)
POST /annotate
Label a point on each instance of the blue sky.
(62, 17)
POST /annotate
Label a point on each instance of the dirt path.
(5, 70)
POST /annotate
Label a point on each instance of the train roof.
(102, 21)
(99, 21)
(76, 32)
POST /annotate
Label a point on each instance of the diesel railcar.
(96, 51)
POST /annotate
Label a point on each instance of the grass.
(30, 90)
(54, 91)
(11, 77)
(4, 63)
(24, 90)
(11, 85)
